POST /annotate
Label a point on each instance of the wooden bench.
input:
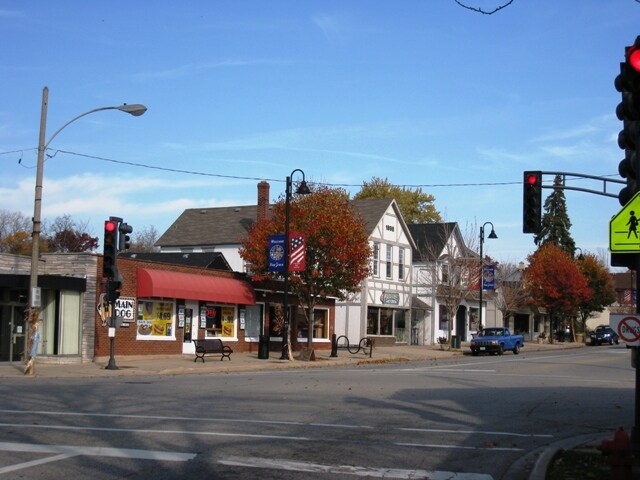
(213, 346)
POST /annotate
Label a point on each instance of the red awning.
(188, 286)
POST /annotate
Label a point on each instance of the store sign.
(126, 310)
(389, 298)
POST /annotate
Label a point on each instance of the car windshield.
(492, 332)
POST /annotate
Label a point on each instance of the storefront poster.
(155, 319)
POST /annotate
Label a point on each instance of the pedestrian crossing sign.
(624, 234)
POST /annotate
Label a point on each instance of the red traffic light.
(532, 179)
(110, 226)
(633, 58)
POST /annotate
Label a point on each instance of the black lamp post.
(303, 189)
(491, 235)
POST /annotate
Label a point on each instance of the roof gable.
(210, 226)
(229, 225)
(432, 238)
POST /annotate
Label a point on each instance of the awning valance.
(188, 286)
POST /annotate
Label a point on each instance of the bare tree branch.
(480, 10)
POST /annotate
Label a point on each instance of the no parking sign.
(627, 327)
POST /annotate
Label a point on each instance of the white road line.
(149, 430)
(34, 463)
(186, 419)
(69, 451)
(477, 432)
(457, 447)
(275, 464)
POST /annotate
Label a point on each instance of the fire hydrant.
(618, 453)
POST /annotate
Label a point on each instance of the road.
(468, 418)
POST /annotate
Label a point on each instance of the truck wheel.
(500, 349)
(474, 352)
(516, 349)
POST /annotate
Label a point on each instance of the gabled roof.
(210, 226)
(213, 260)
(431, 239)
(228, 225)
(371, 211)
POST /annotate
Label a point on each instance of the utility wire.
(240, 177)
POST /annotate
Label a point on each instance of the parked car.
(496, 340)
(604, 334)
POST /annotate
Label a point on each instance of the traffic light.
(628, 111)
(124, 241)
(532, 202)
(109, 267)
(113, 289)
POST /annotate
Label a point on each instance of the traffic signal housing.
(110, 249)
(113, 289)
(532, 202)
(124, 241)
(628, 111)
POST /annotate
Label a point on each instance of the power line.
(241, 177)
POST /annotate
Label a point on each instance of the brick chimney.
(263, 200)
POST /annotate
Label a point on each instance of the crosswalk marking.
(62, 452)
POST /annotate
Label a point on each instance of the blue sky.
(423, 93)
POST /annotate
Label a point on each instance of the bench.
(212, 346)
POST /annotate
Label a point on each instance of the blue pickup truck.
(496, 340)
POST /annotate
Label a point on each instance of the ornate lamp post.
(491, 235)
(303, 189)
(34, 297)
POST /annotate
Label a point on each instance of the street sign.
(627, 327)
(623, 228)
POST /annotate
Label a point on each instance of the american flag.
(297, 254)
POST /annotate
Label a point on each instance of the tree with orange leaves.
(555, 281)
(337, 247)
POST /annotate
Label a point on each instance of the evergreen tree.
(555, 221)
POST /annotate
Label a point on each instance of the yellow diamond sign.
(624, 228)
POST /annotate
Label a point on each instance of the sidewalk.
(243, 362)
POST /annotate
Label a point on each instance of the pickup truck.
(496, 340)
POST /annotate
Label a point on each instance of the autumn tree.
(554, 281)
(337, 247)
(556, 226)
(416, 206)
(15, 233)
(66, 235)
(601, 285)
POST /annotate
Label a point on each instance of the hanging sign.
(276, 253)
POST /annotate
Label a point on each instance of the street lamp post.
(303, 189)
(34, 295)
(491, 235)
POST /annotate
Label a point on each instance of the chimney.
(263, 200)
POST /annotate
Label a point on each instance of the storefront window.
(380, 321)
(320, 324)
(253, 321)
(219, 321)
(155, 320)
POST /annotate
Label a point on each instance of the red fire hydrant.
(618, 453)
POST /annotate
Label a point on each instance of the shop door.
(190, 329)
(12, 333)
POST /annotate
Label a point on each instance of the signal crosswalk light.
(532, 202)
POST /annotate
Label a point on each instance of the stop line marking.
(68, 451)
(276, 464)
